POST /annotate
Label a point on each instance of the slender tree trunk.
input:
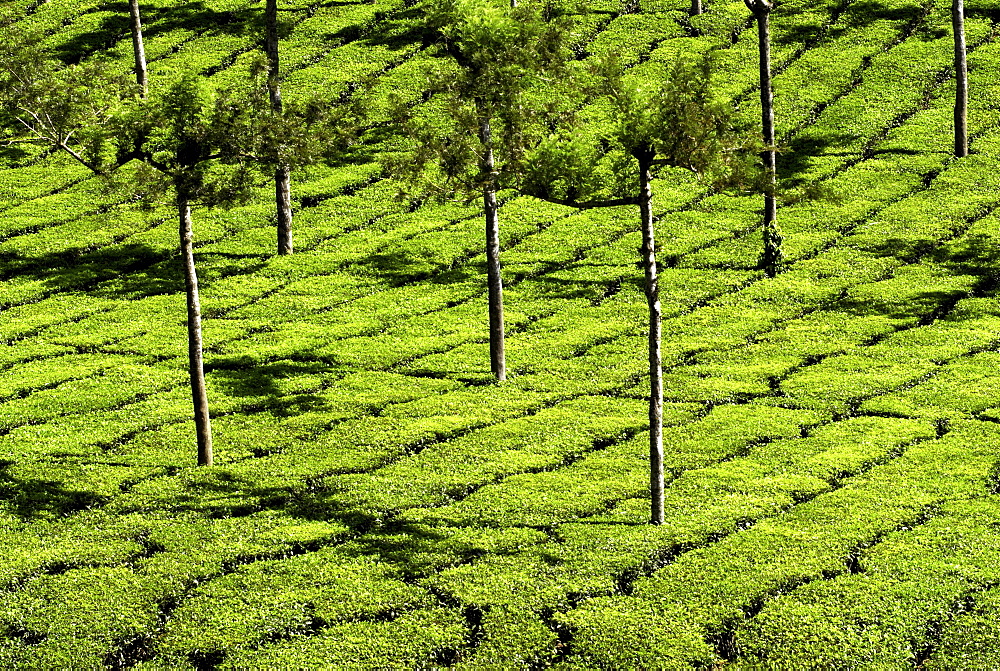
(137, 48)
(772, 254)
(655, 367)
(196, 368)
(282, 187)
(696, 7)
(961, 80)
(495, 285)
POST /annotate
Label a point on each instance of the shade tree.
(43, 101)
(189, 142)
(491, 60)
(138, 48)
(673, 120)
(282, 171)
(961, 79)
(772, 255)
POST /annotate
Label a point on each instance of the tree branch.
(69, 150)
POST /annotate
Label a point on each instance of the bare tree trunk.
(282, 186)
(494, 282)
(961, 80)
(655, 367)
(196, 368)
(137, 48)
(772, 254)
(696, 7)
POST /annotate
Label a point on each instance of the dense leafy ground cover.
(833, 447)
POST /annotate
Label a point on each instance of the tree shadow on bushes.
(32, 498)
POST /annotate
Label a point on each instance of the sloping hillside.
(832, 438)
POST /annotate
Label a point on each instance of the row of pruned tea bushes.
(867, 311)
(402, 244)
(51, 17)
(286, 598)
(205, 54)
(169, 26)
(28, 350)
(95, 435)
(329, 27)
(333, 216)
(823, 73)
(956, 198)
(366, 314)
(310, 452)
(730, 319)
(621, 470)
(68, 222)
(873, 192)
(49, 372)
(52, 489)
(895, 83)
(153, 326)
(168, 338)
(722, 481)
(707, 591)
(256, 412)
(27, 320)
(630, 36)
(856, 196)
(398, 266)
(962, 387)
(907, 588)
(792, 27)
(316, 183)
(404, 81)
(117, 606)
(157, 317)
(723, 21)
(68, 196)
(158, 43)
(942, 207)
(33, 544)
(416, 639)
(543, 353)
(969, 638)
(564, 240)
(898, 165)
(350, 64)
(29, 179)
(513, 636)
(106, 603)
(316, 299)
(587, 26)
(106, 389)
(426, 334)
(452, 469)
(861, 371)
(576, 326)
(594, 553)
(703, 503)
(94, 30)
(87, 251)
(982, 70)
(608, 347)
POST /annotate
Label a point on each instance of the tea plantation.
(832, 434)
